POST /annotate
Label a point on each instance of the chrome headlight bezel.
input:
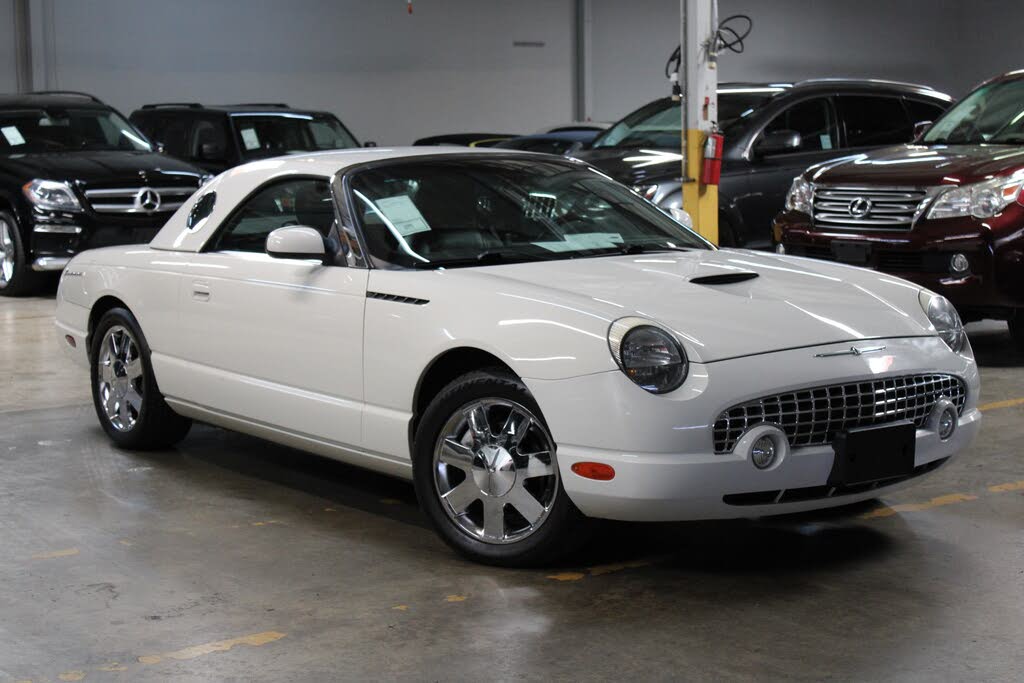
(800, 196)
(671, 359)
(944, 318)
(980, 200)
(51, 195)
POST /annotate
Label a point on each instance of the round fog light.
(958, 263)
(947, 423)
(762, 454)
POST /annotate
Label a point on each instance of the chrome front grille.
(868, 208)
(811, 417)
(139, 200)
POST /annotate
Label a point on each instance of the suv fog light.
(780, 248)
(944, 418)
(959, 264)
(763, 453)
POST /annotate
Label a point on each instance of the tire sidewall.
(20, 281)
(535, 548)
(122, 317)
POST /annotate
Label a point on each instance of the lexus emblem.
(859, 207)
(147, 199)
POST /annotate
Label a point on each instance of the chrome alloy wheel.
(6, 252)
(497, 485)
(119, 370)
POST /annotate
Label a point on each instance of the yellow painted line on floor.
(253, 640)
(401, 608)
(567, 576)
(455, 598)
(265, 523)
(602, 569)
(996, 405)
(1009, 486)
(113, 666)
(949, 499)
(67, 552)
(71, 676)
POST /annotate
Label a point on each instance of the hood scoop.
(724, 278)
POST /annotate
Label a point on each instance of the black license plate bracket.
(854, 253)
(869, 454)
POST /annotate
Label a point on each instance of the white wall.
(449, 67)
(8, 69)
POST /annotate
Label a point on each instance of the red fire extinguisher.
(711, 171)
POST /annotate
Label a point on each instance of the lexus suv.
(946, 211)
(217, 138)
(773, 131)
(75, 174)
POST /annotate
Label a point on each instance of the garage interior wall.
(481, 65)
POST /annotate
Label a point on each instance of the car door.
(276, 341)
(771, 174)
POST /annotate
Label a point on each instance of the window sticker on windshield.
(13, 135)
(250, 139)
(826, 141)
(401, 212)
(583, 240)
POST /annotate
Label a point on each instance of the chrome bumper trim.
(51, 263)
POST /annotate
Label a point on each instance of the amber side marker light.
(70, 340)
(594, 470)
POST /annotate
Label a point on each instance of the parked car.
(219, 137)
(550, 143)
(531, 343)
(75, 174)
(464, 139)
(946, 212)
(772, 133)
(575, 127)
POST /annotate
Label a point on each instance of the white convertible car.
(530, 342)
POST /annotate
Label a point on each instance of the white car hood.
(792, 302)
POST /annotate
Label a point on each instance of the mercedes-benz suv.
(74, 175)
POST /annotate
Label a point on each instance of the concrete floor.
(233, 559)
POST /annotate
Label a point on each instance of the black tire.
(562, 531)
(1016, 324)
(21, 279)
(148, 423)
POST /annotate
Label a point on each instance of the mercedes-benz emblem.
(859, 207)
(147, 199)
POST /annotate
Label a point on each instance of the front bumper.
(662, 447)
(57, 237)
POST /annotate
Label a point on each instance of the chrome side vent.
(396, 298)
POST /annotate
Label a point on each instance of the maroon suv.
(946, 212)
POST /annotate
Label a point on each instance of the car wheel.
(1017, 328)
(128, 402)
(485, 474)
(16, 275)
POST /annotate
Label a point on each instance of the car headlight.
(981, 200)
(650, 356)
(800, 197)
(945, 319)
(51, 195)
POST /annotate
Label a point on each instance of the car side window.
(171, 132)
(923, 111)
(209, 140)
(303, 201)
(813, 120)
(872, 121)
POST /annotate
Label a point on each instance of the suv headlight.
(945, 319)
(51, 195)
(800, 197)
(981, 200)
(650, 356)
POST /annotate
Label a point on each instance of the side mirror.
(681, 216)
(296, 241)
(369, 143)
(920, 128)
(211, 151)
(779, 141)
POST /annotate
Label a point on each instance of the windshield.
(269, 135)
(34, 131)
(993, 113)
(659, 124)
(465, 212)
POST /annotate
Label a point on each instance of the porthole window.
(200, 211)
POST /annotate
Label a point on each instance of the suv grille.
(140, 200)
(867, 208)
(811, 417)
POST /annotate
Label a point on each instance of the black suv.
(773, 132)
(219, 137)
(74, 175)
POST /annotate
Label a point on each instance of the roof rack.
(276, 105)
(873, 81)
(72, 93)
(187, 105)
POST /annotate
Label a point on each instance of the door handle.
(200, 291)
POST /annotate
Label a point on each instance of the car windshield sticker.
(583, 240)
(250, 139)
(403, 215)
(826, 141)
(13, 135)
